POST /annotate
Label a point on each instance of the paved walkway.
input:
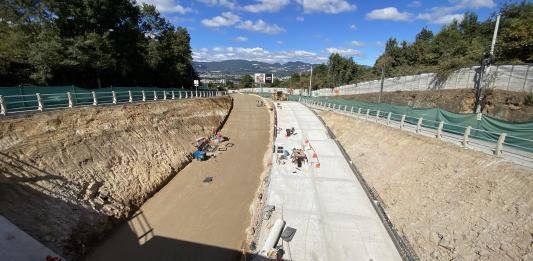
(334, 218)
(15, 244)
(192, 220)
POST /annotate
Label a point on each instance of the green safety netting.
(22, 98)
(519, 135)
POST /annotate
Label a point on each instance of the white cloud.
(279, 42)
(240, 39)
(300, 18)
(446, 19)
(255, 54)
(224, 3)
(475, 3)
(389, 13)
(260, 26)
(266, 6)
(231, 19)
(326, 6)
(446, 14)
(226, 19)
(344, 52)
(167, 6)
(353, 27)
(415, 4)
(358, 43)
(380, 43)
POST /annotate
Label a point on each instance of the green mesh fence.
(23, 98)
(519, 135)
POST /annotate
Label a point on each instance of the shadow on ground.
(141, 243)
(72, 230)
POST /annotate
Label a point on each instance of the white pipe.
(273, 237)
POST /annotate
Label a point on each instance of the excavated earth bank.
(450, 203)
(66, 177)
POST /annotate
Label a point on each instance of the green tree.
(247, 81)
(516, 33)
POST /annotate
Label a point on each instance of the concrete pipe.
(273, 237)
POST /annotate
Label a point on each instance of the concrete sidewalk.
(15, 244)
(323, 200)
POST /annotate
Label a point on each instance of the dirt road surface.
(192, 220)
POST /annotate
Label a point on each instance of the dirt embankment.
(67, 176)
(450, 203)
(505, 105)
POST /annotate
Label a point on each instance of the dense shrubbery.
(91, 43)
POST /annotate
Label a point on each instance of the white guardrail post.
(95, 99)
(351, 110)
(164, 95)
(402, 121)
(173, 96)
(499, 145)
(3, 107)
(439, 130)
(155, 96)
(388, 118)
(359, 111)
(69, 98)
(144, 95)
(186, 94)
(114, 94)
(419, 125)
(130, 96)
(367, 113)
(377, 116)
(39, 102)
(466, 136)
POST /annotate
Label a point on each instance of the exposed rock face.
(504, 105)
(450, 203)
(67, 176)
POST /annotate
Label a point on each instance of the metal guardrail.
(15, 104)
(466, 137)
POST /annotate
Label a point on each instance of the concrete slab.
(15, 244)
(334, 218)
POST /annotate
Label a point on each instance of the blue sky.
(308, 30)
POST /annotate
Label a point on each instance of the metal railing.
(482, 140)
(15, 104)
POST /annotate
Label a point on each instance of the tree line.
(459, 44)
(91, 43)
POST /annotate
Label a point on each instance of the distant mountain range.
(242, 67)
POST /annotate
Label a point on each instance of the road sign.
(269, 78)
(196, 83)
(259, 78)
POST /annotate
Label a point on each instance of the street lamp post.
(310, 81)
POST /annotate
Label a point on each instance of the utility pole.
(382, 80)
(485, 68)
(494, 36)
(310, 81)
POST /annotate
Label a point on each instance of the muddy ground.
(66, 177)
(505, 105)
(193, 220)
(450, 203)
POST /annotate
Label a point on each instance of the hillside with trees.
(459, 44)
(91, 44)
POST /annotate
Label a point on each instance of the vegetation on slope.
(458, 44)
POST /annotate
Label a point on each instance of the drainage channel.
(402, 244)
